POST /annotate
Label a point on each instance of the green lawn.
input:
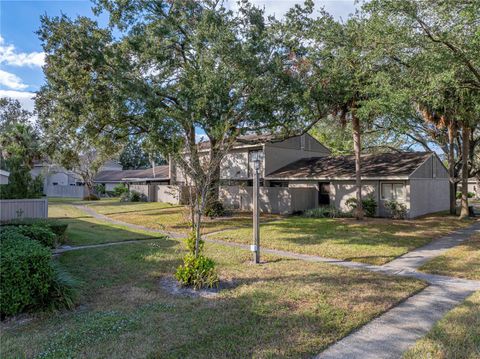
(457, 335)
(83, 229)
(374, 241)
(462, 261)
(284, 308)
(168, 217)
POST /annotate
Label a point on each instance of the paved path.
(420, 256)
(391, 334)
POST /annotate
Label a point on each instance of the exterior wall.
(235, 165)
(3, 178)
(277, 157)
(23, 208)
(431, 168)
(144, 189)
(341, 191)
(281, 200)
(65, 191)
(168, 194)
(428, 196)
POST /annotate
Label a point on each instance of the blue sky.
(21, 54)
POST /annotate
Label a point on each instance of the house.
(60, 182)
(112, 177)
(4, 176)
(300, 173)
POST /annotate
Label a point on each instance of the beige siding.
(341, 191)
(168, 194)
(307, 143)
(276, 157)
(23, 208)
(235, 165)
(272, 199)
(428, 196)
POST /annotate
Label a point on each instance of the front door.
(324, 193)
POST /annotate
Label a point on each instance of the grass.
(284, 308)
(457, 335)
(374, 241)
(168, 217)
(83, 229)
(463, 261)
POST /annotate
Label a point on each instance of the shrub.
(215, 209)
(37, 232)
(325, 212)
(397, 210)
(26, 274)
(120, 189)
(197, 271)
(100, 189)
(133, 196)
(369, 205)
(29, 279)
(57, 227)
(469, 195)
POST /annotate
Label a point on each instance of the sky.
(21, 56)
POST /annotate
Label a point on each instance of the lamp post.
(256, 221)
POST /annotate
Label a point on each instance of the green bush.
(29, 279)
(197, 272)
(57, 227)
(133, 196)
(325, 212)
(215, 209)
(397, 210)
(120, 189)
(369, 205)
(26, 274)
(100, 189)
(469, 195)
(37, 232)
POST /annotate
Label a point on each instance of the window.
(393, 191)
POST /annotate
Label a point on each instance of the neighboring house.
(60, 182)
(4, 176)
(300, 173)
(113, 177)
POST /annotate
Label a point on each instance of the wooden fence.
(23, 208)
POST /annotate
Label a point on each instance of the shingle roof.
(372, 166)
(161, 173)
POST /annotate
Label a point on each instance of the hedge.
(26, 274)
(57, 227)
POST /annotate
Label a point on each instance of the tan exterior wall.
(428, 196)
(65, 191)
(168, 194)
(272, 199)
(341, 191)
(11, 209)
(276, 157)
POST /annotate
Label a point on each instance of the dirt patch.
(171, 285)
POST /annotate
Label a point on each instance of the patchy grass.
(374, 241)
(284, 308)
(83, 229)
(462, 261)
(457, 335)
(168, 217)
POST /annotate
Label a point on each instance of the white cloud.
(24, 97)
(9, 56)
(11, 80)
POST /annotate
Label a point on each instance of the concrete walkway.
(419, 256)
(391, 334)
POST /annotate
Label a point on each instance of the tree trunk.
(465, 156)
(452, 135)
(357, 148)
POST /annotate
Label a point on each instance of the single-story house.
(155, 175)
(4, 175)
(300, 173)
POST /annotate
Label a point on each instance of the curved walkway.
(391, 334)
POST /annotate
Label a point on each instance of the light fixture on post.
(255, 247)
